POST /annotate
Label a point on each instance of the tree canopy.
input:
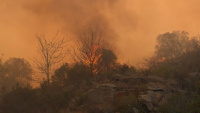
(171, 45)
(15, 71)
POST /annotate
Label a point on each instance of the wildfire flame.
(93, 58)
(162, 60)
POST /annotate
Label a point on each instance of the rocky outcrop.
(100, 98)
(151, 91)
(153, 97)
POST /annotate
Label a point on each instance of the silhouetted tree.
(51, 53)
(15, 70)
(193, 45)
(171, 45)
(74, 75)
(107, 60)
(60, 76)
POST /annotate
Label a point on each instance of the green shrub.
(19, 100)
(128, 104)
(181, 103)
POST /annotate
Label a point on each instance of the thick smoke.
(73, 16)
(129, 25)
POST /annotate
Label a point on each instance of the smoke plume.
(131, 26)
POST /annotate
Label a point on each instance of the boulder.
(153, 97)
(100, 99)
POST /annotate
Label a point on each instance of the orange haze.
(129, 25)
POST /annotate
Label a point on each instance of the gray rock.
(152, 97)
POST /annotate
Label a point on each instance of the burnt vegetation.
(169, 81)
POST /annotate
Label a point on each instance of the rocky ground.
(150, 91)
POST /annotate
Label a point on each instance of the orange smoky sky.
(131, 26)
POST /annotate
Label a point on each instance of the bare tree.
(51, 53)
(90, 44)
